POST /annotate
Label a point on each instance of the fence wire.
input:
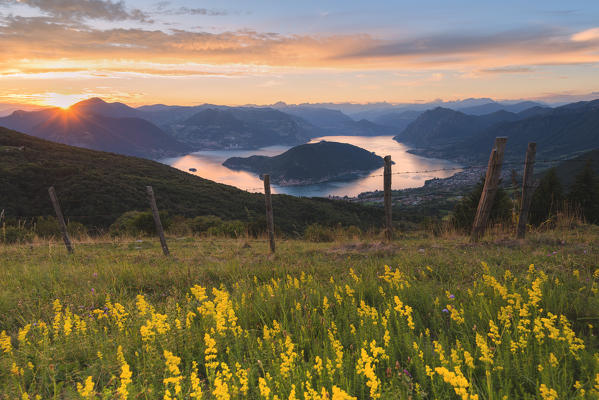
(441, 191)
(459, 169)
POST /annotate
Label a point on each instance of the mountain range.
(157, 131)
(460, 130)
(99, 126)
(560, 132)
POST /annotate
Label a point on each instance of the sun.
(61, 100)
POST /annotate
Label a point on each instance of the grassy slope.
(32, 277)
(96, 187)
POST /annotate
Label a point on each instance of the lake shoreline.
(208, 165)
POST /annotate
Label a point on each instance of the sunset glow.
(63, 101)
(236, 52)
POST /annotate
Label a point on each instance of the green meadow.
(421, 317)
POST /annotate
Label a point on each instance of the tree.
(464, 212)
(547, 200)
(584, 194)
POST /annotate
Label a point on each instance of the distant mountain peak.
(90, 101)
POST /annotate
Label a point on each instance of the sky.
(56, 52)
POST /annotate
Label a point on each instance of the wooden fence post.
(270, 225)
(527, 189)
(157, 221)
(487, 197)
(59, 216)
(387, 198)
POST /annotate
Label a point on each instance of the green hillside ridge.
(310, 163)
(95, 188)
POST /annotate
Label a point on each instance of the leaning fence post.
(487, 197)
(387, 198)
(270, 226)
(157, 221)
(527, 189)
(59, 216)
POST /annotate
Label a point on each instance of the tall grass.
(223, 319)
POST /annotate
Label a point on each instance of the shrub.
(465, 211)
(318, 233)
(76, 229)
(202, 223)
(46, 227)
(584, 194)
(234, 229)
(13, 234)
(179, 225)
(137, 222)
(547, 199)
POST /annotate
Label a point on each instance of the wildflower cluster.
(395, 334)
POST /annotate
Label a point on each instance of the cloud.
(507, 70)
(37, 44)
(587, 35)
(453, 44)
(164, 8)
(195, 11)
(83, 9)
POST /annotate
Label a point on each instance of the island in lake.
(311, 163)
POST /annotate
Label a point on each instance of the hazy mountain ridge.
(559, 132)
(334, 122)
(443, 126)
(244, 128)
(310, 163)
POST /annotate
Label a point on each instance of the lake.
(209, 166)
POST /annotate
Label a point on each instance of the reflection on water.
(209, 165)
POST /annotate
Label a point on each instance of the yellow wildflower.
(125, 374)
(318, 364)
(494, 333)
(457, 380)
(264, 389)
(486, 355)
(5, 343)
(242, 376)
(292, 393)
(172, 365)
(547, 393)
(86, 391)
(16, 370)
(366, 367)
(210, 352)
(194, 380)
(221, 389)
(404, 311)
(143, 307)
(287, 357)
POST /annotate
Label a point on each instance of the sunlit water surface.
(209, 165)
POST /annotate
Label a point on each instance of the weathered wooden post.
(270, 225)
(387, 198)
(157, 221)
(527, 189)
(487, 197)
(61, 223)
